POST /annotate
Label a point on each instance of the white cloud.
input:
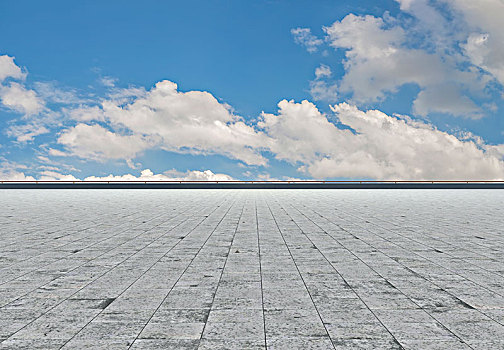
(186, 122)
(57, 152)
(321, 90)
(85, 113)
(382, 147)
(441, 33)
(366, 37)
(322, 71)
(51, 175)
(12, 171)
(16, 97)
(485, 42)
(26, 132)
(108, 81)
(403, 148)
(15, 176)
(171, 175)
(304, 37)
(475, 26)
(50, 92)
(8, 69)
(96, 142)
(445, 99)
(382, 56)
(122, 96)
(301, 133)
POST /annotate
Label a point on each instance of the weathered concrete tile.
(36, 344)
(231, 344)
(310, 343)
(165, 330)
(165, 344)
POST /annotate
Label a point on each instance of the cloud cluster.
(370, 144)
(375, 145)
(448, 48)
(380, 59)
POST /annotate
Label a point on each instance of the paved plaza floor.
(251, 269)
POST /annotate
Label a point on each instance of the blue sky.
(396, 89)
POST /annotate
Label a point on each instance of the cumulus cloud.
(304, 37)
(8, 69)
(380, 146)
(484, 42)
(379, 61)
(96, 142)
(186, 122)
(16, 97)
(300, 132)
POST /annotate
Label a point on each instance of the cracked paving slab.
(251, 269)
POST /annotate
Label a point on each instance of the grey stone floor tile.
(241, 330)
(291, 323)
(437, 344)
(181, 315)
(172, 330)
(112, 330)
(155, 344)
(231, 344)
(309, 343)
(486, 344)
(94, 343)
(35, 344)
(366, 344)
